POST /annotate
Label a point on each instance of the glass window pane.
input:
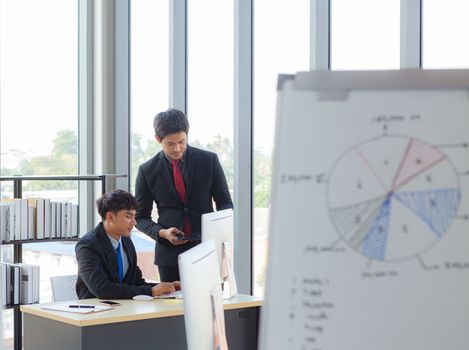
(365, 34)
(149, 91)
(445, 32)
(149, 75)
(210, 79)
(39, 115)
(274, 52)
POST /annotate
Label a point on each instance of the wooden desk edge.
(62, 316)
(57, 316)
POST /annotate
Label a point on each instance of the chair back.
(63, 287)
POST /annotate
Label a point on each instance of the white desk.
(157, 324)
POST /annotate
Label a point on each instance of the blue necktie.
(120, 264)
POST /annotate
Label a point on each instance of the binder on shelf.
(17, 205)
(32, 208)
(4, 222)
(63, 229)
(53, 219)
(23, 219)
(40, 218)
(68, 229)
(8, 284)
(74, 221)
(3, 283)
(15, 217)
(58, 217)
(29, 284)
(47, 216)
(12, 221)
(15, 284)
(26, 292)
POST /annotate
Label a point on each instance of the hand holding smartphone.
(193, 237)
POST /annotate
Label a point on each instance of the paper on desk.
(66, 308)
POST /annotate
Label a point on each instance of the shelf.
(17, 245)
(49, 240)
(11, 307)
(15, 307)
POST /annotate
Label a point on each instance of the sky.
(38, 72)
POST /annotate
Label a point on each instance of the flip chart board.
(369, 230)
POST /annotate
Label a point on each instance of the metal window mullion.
(178, 55)
(111, 90)
(103, 88)
(122, 136)
(85, 112)
(411, 34)
(243, 144)
(320, 34)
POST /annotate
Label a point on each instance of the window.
(149, 95)
(365, 34)
(39, 114)
(210, 79)
(288, 53)
(445, 30)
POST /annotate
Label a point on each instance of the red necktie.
(181, 190)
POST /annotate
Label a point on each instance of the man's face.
(174, 145)
(122, 222)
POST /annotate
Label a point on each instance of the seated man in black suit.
(107, 261)
(182, 181)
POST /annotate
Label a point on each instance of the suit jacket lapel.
(191, 164)
(163, 168)
(109, 251)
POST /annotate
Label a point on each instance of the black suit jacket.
(97, 268)
(205, 181)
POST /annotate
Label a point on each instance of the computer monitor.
(201, 289)
(219, 227)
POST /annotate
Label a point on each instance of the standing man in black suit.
(107, 261)
(182, 181)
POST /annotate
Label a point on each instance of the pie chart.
(392, 197)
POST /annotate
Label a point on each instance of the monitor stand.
(218, 321)
(229, 287)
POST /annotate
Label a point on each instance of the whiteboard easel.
(369, 220)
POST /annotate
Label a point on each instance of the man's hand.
(163, 288)
(172, 234)
(177, 285)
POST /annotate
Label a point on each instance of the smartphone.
(194, 237)
(109, 303)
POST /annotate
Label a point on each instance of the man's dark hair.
(169, 122)
(115, 201)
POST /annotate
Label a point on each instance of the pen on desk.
(82, 306)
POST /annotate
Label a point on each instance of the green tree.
(65, 143)
(262, 179)
(63, 160)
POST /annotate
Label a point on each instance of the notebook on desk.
(77, 308)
